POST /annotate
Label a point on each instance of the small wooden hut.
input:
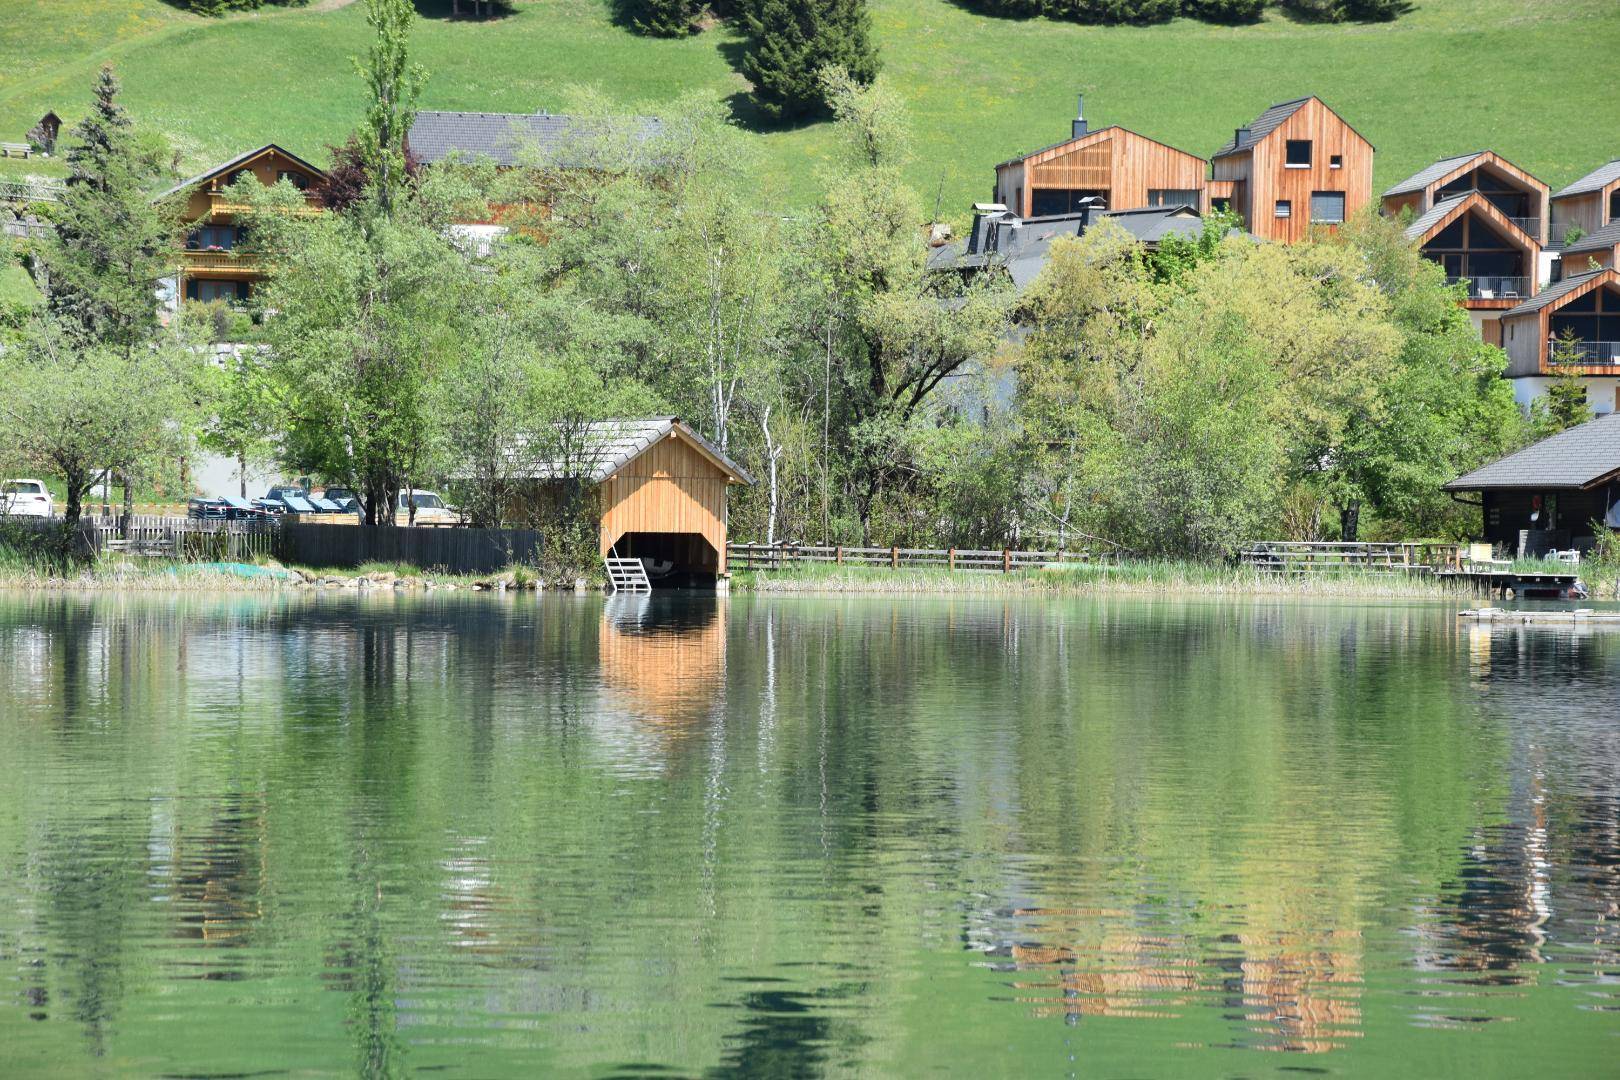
(660, 491)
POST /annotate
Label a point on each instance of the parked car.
(344, 497)
(430, 508)
(280, 492)
(26, 498)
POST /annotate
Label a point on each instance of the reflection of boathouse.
(667, 660)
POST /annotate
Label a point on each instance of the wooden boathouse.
(660, 492)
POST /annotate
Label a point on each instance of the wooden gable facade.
(1299, 165)
(1519, 196)
(1588, 204)
(1585, 309)
(211, 266)
(1125, 170)
(1484, 250)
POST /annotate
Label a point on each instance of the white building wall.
(1600, 391)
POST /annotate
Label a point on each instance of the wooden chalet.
(1583, 308)
(210, 265)
(1113, 165)
(1593, 251)
(1517, 195)
(1588, 204)
(1295, 166)
(660, 493)
(1548, 495)
(1483, 249)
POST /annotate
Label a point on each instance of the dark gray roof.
(1424, 177)
(1599, 178)
(1022, 245)
(503, 137)
(239, 159)
(1426, 220)
(1577, 458)
(1553, 292)
(603, 447)
(1263, 125)
(1606, 237)
(1087, 135)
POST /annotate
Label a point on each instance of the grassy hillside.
(1532, 79)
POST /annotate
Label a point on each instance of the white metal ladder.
(626, 575)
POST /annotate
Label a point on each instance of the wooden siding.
(1269, 179)
(672, 487)
(1476, 211)
(1394, 204)
(1504, 170)
(1126, 165)
(1585, 210)
(204, 205)
(1527, 335)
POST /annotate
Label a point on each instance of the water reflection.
(679, 836)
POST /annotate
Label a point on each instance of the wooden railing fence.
(169, 537)
(1289, 557)
(1006, 560)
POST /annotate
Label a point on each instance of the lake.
(793, 836)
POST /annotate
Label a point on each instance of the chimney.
(1079, 125)
(1241, 137)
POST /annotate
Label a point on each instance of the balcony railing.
(219, 203)
(1493, 288)
(1583, 353)
(217, 260)
(1530, 225)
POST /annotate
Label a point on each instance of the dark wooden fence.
(457, 551)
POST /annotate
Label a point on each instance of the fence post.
(950, 559)
(894, 558)
(1006, 561)
(838, 554)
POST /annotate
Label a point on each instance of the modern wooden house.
(1114, 166)
(1548, 495)
(1483, 249)
(1592, 251)
(1579, 316)
(1517, 195)
(660, 492)
(1296, 166)
(210, 266)
(1588, 204)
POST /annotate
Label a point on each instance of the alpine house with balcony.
(1588, 204)
(1570, 327)
(210, 265)
(1484, 250)
(1295, 166)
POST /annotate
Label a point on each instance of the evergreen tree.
(1225, 11)
(1565, 405)
(658, 18)
(112, 242)
(790, 41)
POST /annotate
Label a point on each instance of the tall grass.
(1134, 577)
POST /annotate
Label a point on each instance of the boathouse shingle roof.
(1581, 457)
(603, 447)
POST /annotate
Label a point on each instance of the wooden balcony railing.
(222, 204)
(218, 260)
(1583, 353)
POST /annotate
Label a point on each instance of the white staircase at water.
(626, 575)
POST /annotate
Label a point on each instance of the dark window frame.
(1288, 153)
(1343, 208)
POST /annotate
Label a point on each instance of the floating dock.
(1509, 584)
(1577, 617)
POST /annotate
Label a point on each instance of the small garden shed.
(660, 493)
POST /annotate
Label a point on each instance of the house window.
(1285, 208)
(1327, 207)
(1336, 161)
(1220, 205)
(296, 179)
(1298, 154)
(207, 291)
(1173, 197)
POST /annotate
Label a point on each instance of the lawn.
(1532, 80)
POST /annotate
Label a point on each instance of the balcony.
(1494, 288)
(221, 204)
(219, 262)
(1529, 225)
(1583, 353)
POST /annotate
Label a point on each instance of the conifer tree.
(658, 18)
(791, 41)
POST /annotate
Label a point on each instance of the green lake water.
(790, 837)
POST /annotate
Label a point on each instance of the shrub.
(1231, 12)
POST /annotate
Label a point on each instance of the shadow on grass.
(745, 111)
(446, 9)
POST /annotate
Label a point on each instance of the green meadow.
(1531, 79)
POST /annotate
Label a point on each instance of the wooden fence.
(172, 537)
(460, 551)
(777, 556)
(1288, 557)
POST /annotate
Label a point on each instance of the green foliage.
(226, 7)
(1106, 12)
(393, 84)
(658, 18)
(1565, 403)
(1347, 10)
(789, 43)
(1225, 11)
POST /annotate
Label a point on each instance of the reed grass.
(1148, 576)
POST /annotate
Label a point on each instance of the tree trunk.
(1350, 521)
(241, 471)
(128, 514)
(75, 498)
